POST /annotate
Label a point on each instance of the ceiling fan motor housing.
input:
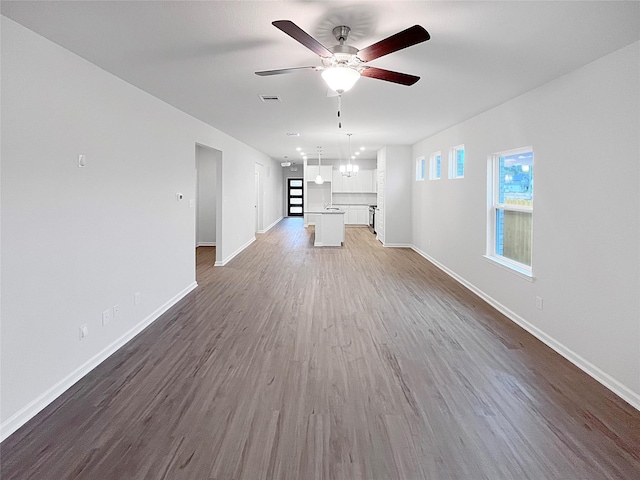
(341, 33)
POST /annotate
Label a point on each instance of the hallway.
(361, 362)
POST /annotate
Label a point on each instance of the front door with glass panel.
(294, 196)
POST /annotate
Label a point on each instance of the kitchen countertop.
(325, 212)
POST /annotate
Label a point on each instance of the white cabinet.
(356, 183)
(347, 184)
(355, 214)
(325, 172)
(337, 181)
(363, 182)
(366, 181)
(362, 215)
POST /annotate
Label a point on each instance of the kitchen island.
(329, 227)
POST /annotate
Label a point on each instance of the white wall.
(207, 165)
(77, 241)
(396, 161)
(586, 254)
(272, 203)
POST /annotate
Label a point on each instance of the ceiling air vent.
(270, 98)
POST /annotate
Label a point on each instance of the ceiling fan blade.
(406, 38)
(295, 32)
(266, 73)
(389, 76)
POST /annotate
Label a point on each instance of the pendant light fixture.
(349, 169)
(319, 180)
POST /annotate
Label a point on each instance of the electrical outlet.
(84, 331)
(136, 298)
(116, 311)
(107, 315)
(539, 303)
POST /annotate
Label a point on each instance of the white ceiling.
(201, 58)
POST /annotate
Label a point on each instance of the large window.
(510, 225)
(456, 162)
(435, 162)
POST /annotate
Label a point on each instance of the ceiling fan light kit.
(340, 78)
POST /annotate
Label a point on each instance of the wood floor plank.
(360, 362)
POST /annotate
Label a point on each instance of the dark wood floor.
(349, 363)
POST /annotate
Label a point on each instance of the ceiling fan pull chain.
(339, 108)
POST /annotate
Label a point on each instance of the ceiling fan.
(342, 65)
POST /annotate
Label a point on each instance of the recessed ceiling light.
(292, 134)
(298, 148)
(361, 148)
(357, 153)
(302, 153)
(304, 158)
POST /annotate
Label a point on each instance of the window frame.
(453, 161)
(420, 169)
(494, 205)
(434, 159)
(290, 196)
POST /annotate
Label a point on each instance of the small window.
(435, 161)
(420, 168)
(510, 218)
(456, 162)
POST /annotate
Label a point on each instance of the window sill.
(520, 272)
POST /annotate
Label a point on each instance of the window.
(456, 162)
(294, 195)
(435, 160)
(420, 167)
(510, 225)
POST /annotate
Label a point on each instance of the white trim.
(397, 245)
(453, 162)
(433, 170)
(270, 226)
(624, 392)
(234, 254)
(511, 267)
(206, 244)
(421, 167)
(30, 410)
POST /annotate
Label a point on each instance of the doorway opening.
(208, 204)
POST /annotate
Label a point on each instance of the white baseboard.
(396, 245)
(624, 392)
(206, 244)
(30, 410)
(234, 254)
(270, 226)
